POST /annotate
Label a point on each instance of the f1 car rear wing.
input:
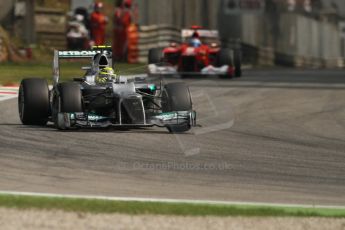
(78, 54)
(186, 33)
(207, 36)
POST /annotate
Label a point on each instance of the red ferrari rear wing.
(186, 33)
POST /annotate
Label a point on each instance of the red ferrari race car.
(199, 53)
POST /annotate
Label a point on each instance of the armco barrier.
(307, 42)
(289, 39)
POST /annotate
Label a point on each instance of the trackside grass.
(15, 72)
(161, 208)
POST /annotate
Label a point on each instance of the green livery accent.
(152, 87)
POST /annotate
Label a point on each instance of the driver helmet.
(195, 34)
(195, 42)
(79, 17)
(105, 75)
(127, 3)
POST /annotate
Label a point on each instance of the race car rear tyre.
(155, 56)
(33, 101)
(238, 62)
(224, 58)
(70, 97)
(176, 97)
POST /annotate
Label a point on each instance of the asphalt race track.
(272, 136)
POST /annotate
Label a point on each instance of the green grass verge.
(15, 72)
(184, 209)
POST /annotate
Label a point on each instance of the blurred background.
(297, 33)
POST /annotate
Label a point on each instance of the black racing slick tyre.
(155, 56)
(176, 97)
(70, 97)
(33, 101)
(238, 62)
(224, 58)
(67, 99)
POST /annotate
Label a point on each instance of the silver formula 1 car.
(113, 101)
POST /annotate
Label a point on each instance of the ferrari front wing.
(172, 70)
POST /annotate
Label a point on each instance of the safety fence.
(304, 41)
(289, 40)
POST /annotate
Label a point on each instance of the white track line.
(186, 201)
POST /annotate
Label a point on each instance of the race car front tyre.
(70, 97)
(176, 97)
(33, 101)
(238, 62)
(155, 56)
(67, 99)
